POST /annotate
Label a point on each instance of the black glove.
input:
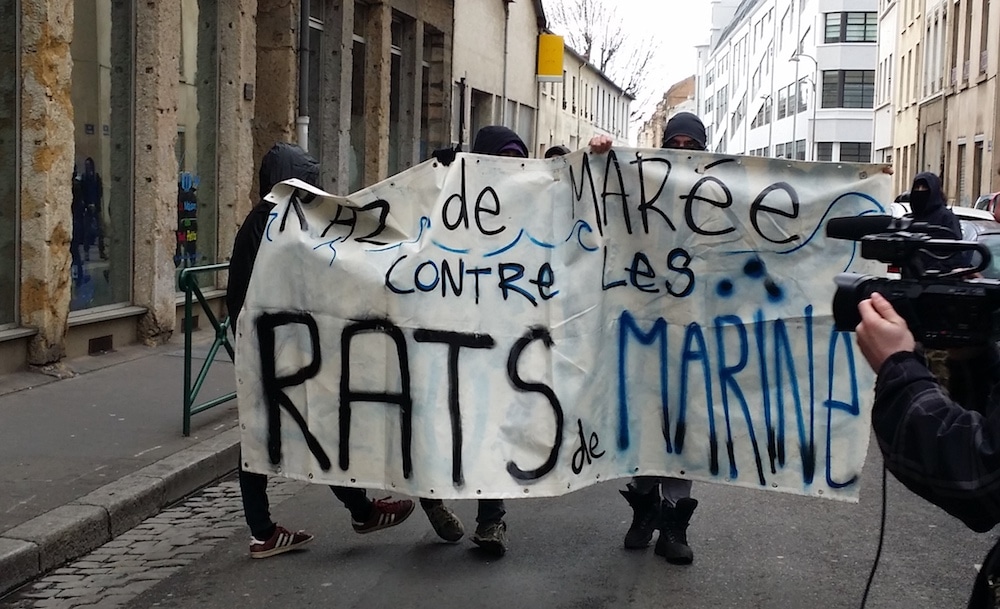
(446, 156)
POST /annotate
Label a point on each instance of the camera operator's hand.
(882, 331)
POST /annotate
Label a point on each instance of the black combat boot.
(645, 513)
(673, 543)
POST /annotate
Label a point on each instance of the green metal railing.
(187, 282)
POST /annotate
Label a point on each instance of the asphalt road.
(752, 549)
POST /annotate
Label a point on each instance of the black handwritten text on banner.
(511, 327)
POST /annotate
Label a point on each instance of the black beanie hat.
(685, 123)
(557, 150)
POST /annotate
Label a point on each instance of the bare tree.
(595, 30)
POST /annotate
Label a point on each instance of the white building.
(759, 82)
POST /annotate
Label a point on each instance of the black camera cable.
(881, 539)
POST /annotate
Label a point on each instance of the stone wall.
(46, 166)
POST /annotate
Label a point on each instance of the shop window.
(101, 242)
(8, 162)
(197, 136)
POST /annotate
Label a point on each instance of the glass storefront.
(8, 162)
(197, 134)
(101, 240)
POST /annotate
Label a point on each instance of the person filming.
(943, 443)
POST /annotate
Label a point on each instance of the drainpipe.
(461, 111)
(506, 30)
(302, 121)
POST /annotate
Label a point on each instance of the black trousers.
(253, 488)
(490, 510)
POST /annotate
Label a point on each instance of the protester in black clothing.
(557, 150)
(927, 203)
(942, 445)
(657, 502)
(283, 162)
(92, 193)
(491, 530)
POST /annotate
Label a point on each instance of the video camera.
(942, 306)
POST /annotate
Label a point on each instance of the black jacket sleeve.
(245, 248)
(941, 450)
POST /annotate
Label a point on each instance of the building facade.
(885, 114)
(971, 166)
(945, 94)
(907, 95)
(130, 135)
(792, 79)
(680, 97)
(586, 103)
(496, 45)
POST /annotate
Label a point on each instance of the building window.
(824, 151)
(399, 158)
(356, 161)
(800, 150)
(803, 91)
(782, 103)
(314, 97)
(851, 27)
(848, 88)
(8, 162)
(856, 152)
(563, 88)
(432, 130)
(101, 242)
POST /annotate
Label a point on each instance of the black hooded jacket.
(282, 162)
(936, 211)
(494, 138)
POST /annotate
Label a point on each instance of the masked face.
(919, 201)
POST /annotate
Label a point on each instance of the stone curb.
(41, 544)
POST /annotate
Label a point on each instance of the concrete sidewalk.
(87, 457)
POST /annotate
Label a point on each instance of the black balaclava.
(495, 139)
(685, 123)
(923, 203)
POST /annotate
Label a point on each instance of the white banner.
(520, 327)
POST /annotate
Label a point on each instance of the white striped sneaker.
(385, 513)
(280, 542)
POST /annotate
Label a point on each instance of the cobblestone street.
(129, 565)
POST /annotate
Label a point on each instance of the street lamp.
(796, 57)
